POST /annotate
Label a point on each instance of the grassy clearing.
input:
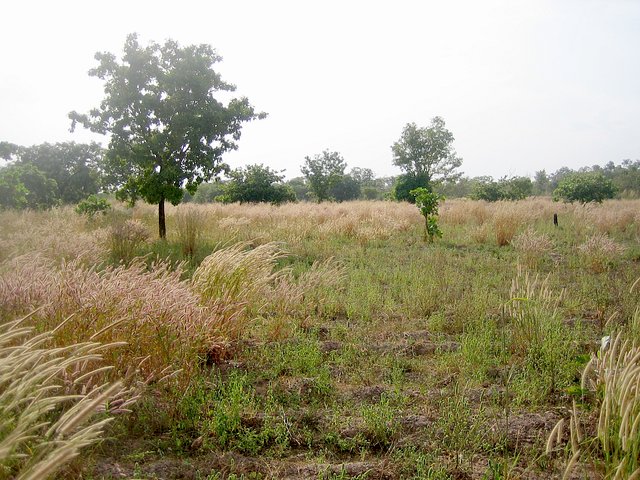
(330, 341)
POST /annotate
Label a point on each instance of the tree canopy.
(427, 152)
(167, 129)
(75, 167)
(257, 183)
(584, 187)
(323, 172)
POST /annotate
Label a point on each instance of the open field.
(330, 341)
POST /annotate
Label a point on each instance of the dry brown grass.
(153, 310)
(532, 247)
(599, 251)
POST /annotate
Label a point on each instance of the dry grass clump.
(532, 306)
(239, 274)
(59, 234)
(125, 238)
(464, 211)
(599, 251)
(157, 313)
(189, 221)
(44, 425)
(619, 219)
(533, 247)
(506, 221)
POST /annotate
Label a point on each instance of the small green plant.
(92, 206)
(427, 201)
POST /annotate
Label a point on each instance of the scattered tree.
(301, 188)
(427, 152)
(167, 129)
(584, 187)
(347, 188)
(323, 172)
(514, 188)
(257, 183)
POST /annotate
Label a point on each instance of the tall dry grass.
(247, 276)
(190, 222)
(48, 414)
(532, 247)
(161, 318)
(599, 251)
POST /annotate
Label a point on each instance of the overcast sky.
(522, 85)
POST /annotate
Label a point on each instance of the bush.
(584, 187)
(257, 183)
(407, 182)
(93, 205)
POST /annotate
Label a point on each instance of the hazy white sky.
(523, 85)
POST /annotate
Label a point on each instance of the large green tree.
(167, 129)
(25, 186)
(427, 153)
(323, 172)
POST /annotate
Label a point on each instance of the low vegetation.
(321, 341)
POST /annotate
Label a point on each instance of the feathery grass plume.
(532, 304)
(151, 308)
(43, 427)
(533, 247)
(57, 234)
(238, 274)
(599, 251)
(615, 374)
(124, 239)
(190, 224)
(243, 276)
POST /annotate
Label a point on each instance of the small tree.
(257, 183)
(428, 201)
(584, 187)
(323, 172)
(347, 188)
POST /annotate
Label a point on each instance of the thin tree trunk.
(162, 225)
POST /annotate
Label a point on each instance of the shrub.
(427, 202)
(93, 205)
(408, 182)
(584, 187)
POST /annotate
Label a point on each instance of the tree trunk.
(162, 225)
